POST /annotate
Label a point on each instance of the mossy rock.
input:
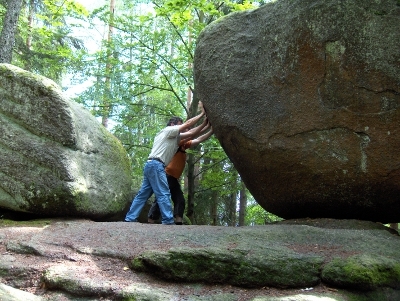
(246, 268)
(363, 272)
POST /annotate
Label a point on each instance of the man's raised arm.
(192, 121)
(202, 138)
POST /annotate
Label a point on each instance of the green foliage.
(216, 168)
(181, 12)
(46, 45)
(256, 215)
(217, 185)
(195, 15)
(39, 223)
(3, 11)
(243, 5)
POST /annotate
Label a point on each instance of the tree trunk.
(214, 206)
(31, 13)
(7, 36)
(191, 169)
(190, 182)
(231, 209)
(242, 204)
(232, 201)
(107, 87)
(31, 10)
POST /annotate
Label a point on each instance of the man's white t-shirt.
(166, 144)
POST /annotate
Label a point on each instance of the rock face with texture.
(349, 259)
(56, 159)
(304, 97)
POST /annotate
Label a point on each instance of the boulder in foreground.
(56, 158)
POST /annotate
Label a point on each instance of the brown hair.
(174, 121)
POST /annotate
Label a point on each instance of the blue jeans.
(154, 181)
(177, 198)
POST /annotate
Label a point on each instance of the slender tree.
(7, 36)
(107, 104)
(31, 12)
(214, 208)
(242, 203)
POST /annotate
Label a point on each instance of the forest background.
(130, 64)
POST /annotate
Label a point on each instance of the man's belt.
(157, 159)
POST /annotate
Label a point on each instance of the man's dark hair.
(174, 121)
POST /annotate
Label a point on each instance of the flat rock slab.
(85, 259)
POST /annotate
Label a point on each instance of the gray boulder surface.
(304, 97)
(341, 260)
(56, 158)
(8, 293)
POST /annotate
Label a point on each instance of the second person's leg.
(177, 198)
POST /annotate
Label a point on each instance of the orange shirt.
(177, 165)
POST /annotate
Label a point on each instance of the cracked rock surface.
(85, 260)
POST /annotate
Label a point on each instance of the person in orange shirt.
(174, 171)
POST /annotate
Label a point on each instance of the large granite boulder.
(304, 97)
(56, 158)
